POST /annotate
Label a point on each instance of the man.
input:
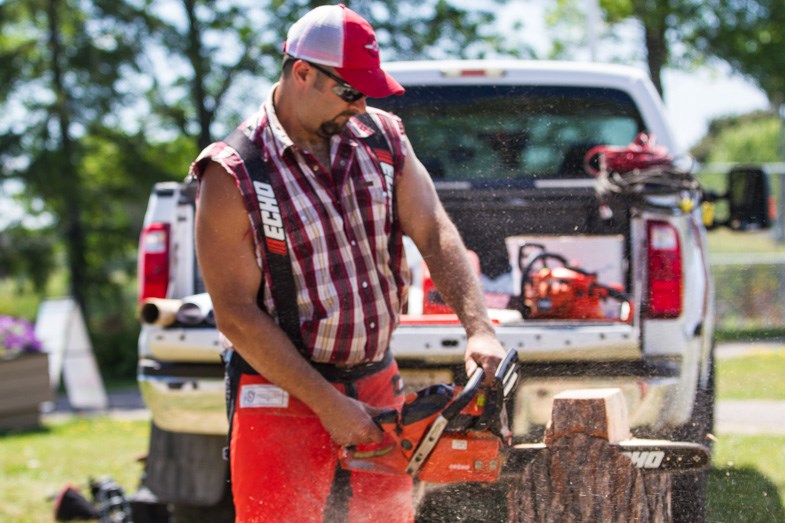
(343, 214)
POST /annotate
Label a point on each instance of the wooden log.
(581, 476)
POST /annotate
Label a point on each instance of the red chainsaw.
(643, 153)
(565, 291)
(445, 433)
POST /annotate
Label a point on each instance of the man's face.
(336, 106)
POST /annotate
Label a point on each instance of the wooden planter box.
(24, 385)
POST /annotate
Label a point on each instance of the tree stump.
(581, 476)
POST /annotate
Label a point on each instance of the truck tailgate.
(535, 341)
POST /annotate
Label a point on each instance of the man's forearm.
(458, 284)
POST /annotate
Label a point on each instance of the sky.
(694, 99)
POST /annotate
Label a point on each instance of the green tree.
(748, 138)
(63, 64)
(750, 36)
(663, 24)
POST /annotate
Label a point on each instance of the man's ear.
(301, 71)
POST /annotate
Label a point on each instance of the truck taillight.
(153, 269)
(665, 271)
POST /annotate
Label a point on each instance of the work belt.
(330, 372)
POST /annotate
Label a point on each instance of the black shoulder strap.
(276, 252)
(377, 140)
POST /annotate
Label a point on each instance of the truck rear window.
(509, 133)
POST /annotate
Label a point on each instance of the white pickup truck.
(505, 143)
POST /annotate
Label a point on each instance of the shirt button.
(365, 285)
(342, 163)
(372, 325)
(354, 243)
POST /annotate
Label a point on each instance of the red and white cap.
(336, 36)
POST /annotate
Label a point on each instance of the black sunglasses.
(346, 92)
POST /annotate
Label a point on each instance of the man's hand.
(484, 350)
(350, 422)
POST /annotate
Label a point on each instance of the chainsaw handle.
(507, 373)
(386, 417)
(468, 393)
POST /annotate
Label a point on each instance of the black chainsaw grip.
(502, 376)
(468, 393)
(387, 417)
(508, 364)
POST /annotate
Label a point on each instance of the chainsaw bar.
(650, 456)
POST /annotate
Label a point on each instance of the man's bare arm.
(426, 222)
(225, 249)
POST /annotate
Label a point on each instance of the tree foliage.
(747, 34)
(68, 60)
(663, 26)
(748, 138)
(750, 35)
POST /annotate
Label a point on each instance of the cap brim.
(374, 83)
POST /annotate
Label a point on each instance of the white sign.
(61, 328)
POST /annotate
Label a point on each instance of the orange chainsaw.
(565, 291)
(444, 433)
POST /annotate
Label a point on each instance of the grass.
(747, 481)
(757, 376)
(726, 241)
(35, 465)
(18, 302)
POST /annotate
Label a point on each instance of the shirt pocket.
(373, 200)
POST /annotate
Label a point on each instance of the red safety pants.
(284, 466)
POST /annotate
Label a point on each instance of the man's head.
(337, 37)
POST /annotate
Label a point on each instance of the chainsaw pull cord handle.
(522, 254)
